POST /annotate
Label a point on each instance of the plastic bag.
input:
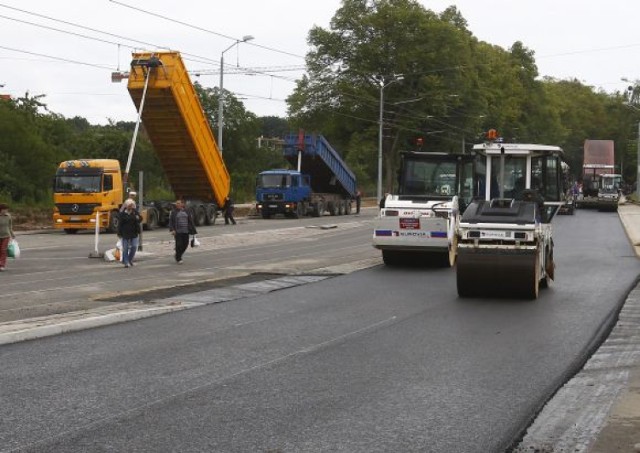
(13, 250)
(117, 254)
(194, 241)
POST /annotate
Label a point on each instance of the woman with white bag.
(6, 235)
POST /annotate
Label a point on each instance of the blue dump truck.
(321, 183)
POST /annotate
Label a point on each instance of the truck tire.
(152, 220)
(211, 212)
(340, 207)
(200, 216)
(331, 207)
(347, 210)
(114, 221)
(393, 258)
(318, 209)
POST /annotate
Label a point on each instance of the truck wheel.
(318, 209)
(114, 221)
(152, 220)
(200, 216)
(331, 207)
(210, 217)
(347, 210)
(392, 258)
(70, 230)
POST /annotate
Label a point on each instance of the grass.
(31, 217)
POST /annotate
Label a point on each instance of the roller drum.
(498, 273)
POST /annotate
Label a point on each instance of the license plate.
(409, 224)
(273, 206)
(74, 219)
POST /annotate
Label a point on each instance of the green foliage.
(242, 157)
(453, 88)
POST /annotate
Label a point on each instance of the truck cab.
(282, 192)
(609, 191)
(83, 188)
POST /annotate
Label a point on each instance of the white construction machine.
(505, 244)
(417, 225)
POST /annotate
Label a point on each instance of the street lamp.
(221, 99)
(383, 85)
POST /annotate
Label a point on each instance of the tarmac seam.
(45, 326)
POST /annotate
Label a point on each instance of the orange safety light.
(492, 134)
(419, 141)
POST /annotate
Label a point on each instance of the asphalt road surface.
(382, 359)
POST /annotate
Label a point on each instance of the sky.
(67, 49)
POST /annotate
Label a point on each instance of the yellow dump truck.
(181, 136)
(180, 133)
(84, 188)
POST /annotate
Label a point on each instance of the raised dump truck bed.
(329, 173)
(178, 128)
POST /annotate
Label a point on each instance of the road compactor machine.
(505, 244)
(418, 223)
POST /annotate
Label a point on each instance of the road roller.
(418, 223)
(505, 243)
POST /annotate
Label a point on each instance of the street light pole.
(221, 97)
(380, 121)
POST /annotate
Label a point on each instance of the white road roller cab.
(505, 245)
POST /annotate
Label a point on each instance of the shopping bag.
(13, 250)
(117, 254)
(194, 241)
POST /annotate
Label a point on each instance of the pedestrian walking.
(6, 234)
(358, 201)
(228, 211)
(181, 225)
(129, 232)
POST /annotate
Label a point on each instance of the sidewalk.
(598, 410)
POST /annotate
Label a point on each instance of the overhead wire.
(196, 27)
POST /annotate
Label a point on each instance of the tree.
(242, 157)
(367, 45)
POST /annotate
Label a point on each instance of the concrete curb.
(598, 410)
(49, 326)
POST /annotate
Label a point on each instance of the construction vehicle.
(321, 183)
(90, 190)
(505, 244)
(177, 126)
(601, 187)
(418, 224)
(174, 120)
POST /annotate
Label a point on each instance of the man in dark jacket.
(181, 225)
(228, 211)
(128, 231)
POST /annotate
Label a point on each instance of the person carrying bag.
(6, 236)
(181, 226)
